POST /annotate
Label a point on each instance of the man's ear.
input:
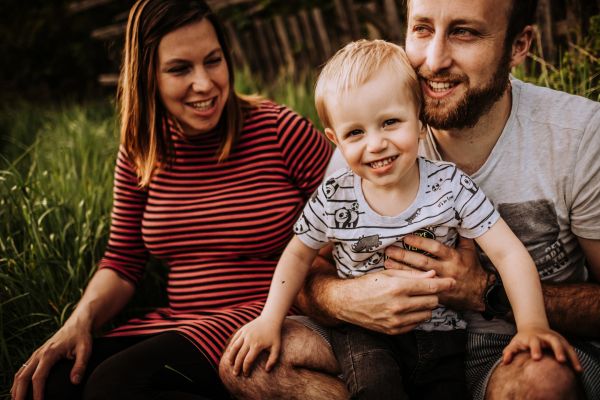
(331, 136)
(521, 46)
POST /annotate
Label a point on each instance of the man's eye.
(421, 29)
(391, 121)
(462, 32)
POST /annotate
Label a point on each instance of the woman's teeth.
(202, 105)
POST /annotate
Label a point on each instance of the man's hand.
(390, 301)
(460, 264)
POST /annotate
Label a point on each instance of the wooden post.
(544, 18)
(238, 54)
(343, 24)
(322, 33)
(374, 28)
(309, 38)
(265, 60)
(354, 26)
(290, 66)
(393, 20)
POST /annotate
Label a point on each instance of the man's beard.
(474, 104)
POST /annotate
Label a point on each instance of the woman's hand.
(254, 337)
(460, 263)
(534, 339)
(72, 341)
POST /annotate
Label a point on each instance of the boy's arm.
(519, 274)
(288, 278)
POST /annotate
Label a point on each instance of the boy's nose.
(376, 143)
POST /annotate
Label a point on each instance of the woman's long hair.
(144, 128)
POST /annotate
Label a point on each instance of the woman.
(206, 180)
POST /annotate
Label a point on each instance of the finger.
(508, 354)
(249, 360)
(239, 359)
(429, 286)
(416, 260)
(82, 355)
(406, 322)
(572, 355)
(38, 378)
(535, 348)
(234, 349)
(464, 243)
(273, 356)
(557, 348)
(23, 378)
(431, 246)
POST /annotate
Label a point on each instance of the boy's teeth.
(202, 105)
(440, 86)
(382, 163)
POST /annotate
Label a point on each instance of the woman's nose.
(201, 81)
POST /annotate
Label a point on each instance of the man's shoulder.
(542, 105)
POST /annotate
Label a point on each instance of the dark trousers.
(414, 365)
(164, 366)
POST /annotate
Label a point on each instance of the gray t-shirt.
(448, 203)
(543, 175)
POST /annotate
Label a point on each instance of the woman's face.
(192, 77)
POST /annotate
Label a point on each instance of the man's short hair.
(355, 64)
(521, 14)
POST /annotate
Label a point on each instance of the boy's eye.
(354, 132)
(391, 121)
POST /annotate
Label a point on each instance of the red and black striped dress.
(219, 227)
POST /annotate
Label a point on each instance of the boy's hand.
(534, 339)
(254, 337)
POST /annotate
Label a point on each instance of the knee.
(545, 379)
(107, 383)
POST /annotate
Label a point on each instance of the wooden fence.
(298, 40)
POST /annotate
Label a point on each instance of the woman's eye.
(177, 70)
(214, 61)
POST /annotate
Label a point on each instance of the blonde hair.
(355, 64)
(144, 127)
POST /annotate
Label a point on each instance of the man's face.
(457, 48)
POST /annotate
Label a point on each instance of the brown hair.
(356, 63)
(143, 117)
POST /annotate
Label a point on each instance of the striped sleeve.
(306, 152)
(476, 212)
(126, 253)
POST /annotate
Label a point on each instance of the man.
(533, 151)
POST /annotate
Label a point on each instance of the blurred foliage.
(578, 68)
(48, 52)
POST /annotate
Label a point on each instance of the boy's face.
(376, 127)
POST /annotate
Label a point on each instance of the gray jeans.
(415, 365)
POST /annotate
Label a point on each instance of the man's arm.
(390, 301)
(572, 308)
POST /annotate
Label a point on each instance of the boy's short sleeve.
(474, 210)
(311, 227)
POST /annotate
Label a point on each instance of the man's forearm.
(573, 309)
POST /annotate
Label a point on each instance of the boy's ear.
(331, 135)
(422, 130)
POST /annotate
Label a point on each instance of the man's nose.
(439, 54)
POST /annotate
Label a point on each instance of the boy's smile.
(376, 127)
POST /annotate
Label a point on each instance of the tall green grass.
(54, 218)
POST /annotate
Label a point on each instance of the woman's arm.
(106, 294)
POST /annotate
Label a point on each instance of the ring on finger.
(24, 365)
